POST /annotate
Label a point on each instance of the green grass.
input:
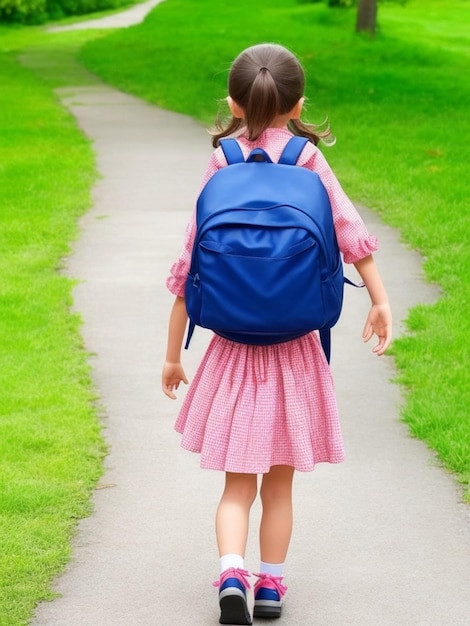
(51, 447)
(399, 107)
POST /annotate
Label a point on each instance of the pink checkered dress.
(252, 407)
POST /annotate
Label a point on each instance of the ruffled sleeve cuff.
(362, 249)
(176, 282)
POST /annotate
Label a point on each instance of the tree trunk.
(366, 16)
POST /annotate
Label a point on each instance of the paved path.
(134, 15)
(379, 540)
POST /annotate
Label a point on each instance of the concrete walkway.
(134, 15)
(379, 540)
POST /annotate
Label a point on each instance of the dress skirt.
(252, 407)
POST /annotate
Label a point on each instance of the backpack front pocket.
(246, 293)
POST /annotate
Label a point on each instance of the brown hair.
(266, 80)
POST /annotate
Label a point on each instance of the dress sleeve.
(176, 281)
(354, 240)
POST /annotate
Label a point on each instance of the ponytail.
(263, 104)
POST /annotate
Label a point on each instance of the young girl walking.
(266, 410)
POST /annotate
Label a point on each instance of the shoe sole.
(266, 611)
(234, 610)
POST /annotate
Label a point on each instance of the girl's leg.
(232, 523)
(275, 534)
(233, 513)
(277, 518)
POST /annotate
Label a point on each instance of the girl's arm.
(173, 372)
(379, 320)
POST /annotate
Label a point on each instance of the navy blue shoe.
(232, 586)
(269, 592)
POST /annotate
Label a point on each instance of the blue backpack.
(265, 266)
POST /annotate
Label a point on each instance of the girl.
(266, 410)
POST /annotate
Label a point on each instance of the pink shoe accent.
(232, 572)
(270, 582)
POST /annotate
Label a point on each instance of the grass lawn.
(51, 447)
(399, 107)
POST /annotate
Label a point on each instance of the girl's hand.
(379, 321)
(172, 375)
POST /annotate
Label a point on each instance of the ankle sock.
(274, 569)
(231, 560)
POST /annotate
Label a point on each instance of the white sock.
(274, 569)
(231, 560)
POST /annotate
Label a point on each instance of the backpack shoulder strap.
(292, 150)
(232, 151)
(325, 338)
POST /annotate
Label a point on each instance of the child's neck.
(280, 121)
